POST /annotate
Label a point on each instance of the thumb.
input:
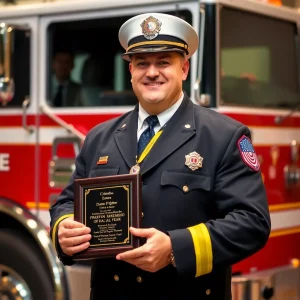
(142, 232)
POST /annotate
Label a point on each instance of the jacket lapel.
(126, 138)
(179, 129)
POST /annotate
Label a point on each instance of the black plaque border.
(135, 207)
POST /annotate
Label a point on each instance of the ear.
(185, 69)
(130, 68)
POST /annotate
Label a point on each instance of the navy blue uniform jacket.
(216, 215)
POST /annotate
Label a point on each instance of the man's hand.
(154, 254)
(73, 236)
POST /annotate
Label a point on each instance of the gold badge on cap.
(193, 161)
(151, 28)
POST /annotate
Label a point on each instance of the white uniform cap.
(157, 32)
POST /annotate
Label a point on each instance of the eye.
(163, 63)
(141, 64)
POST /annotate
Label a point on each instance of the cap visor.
(127, 55)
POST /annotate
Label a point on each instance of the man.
(204, 203)
(65, 92)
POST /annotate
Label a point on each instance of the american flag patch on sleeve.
(248, 153)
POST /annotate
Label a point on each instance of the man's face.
(63, 65)
(157, 79)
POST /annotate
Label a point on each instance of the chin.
(153, 98)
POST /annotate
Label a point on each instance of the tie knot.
(152, 121)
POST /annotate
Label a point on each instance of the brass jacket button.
(116, 278)
(185, 188)
(142, 215)
(139, 279)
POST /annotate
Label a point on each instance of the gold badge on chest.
(193, 161)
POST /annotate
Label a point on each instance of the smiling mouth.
(153, 83)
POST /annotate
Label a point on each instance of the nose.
(152, 71)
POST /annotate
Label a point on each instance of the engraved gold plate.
(193, 161)
(151, 28)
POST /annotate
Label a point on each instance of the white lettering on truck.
(4, 162)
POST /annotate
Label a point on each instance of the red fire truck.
(247, 67)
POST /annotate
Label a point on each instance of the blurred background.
(290, 3)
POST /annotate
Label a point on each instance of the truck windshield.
(85, 63)
(258, 60)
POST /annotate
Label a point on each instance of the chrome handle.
(292, 171)
(25, 105)
(197, 84)
(294, 151)
(73, 140)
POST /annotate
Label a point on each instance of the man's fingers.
(75, 244)
(74, 241)
(65, 232)
(70, 228)
(73, 236)
(75, 249)
(142, 232)
(69, 223)
(132, 254)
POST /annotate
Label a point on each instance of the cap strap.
(181, 45)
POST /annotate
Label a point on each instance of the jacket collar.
(179, 129)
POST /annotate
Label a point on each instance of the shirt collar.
(56, 83)
(163, 117)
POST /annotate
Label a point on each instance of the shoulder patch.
(248, 153)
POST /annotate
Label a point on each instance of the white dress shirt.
(163, 117)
